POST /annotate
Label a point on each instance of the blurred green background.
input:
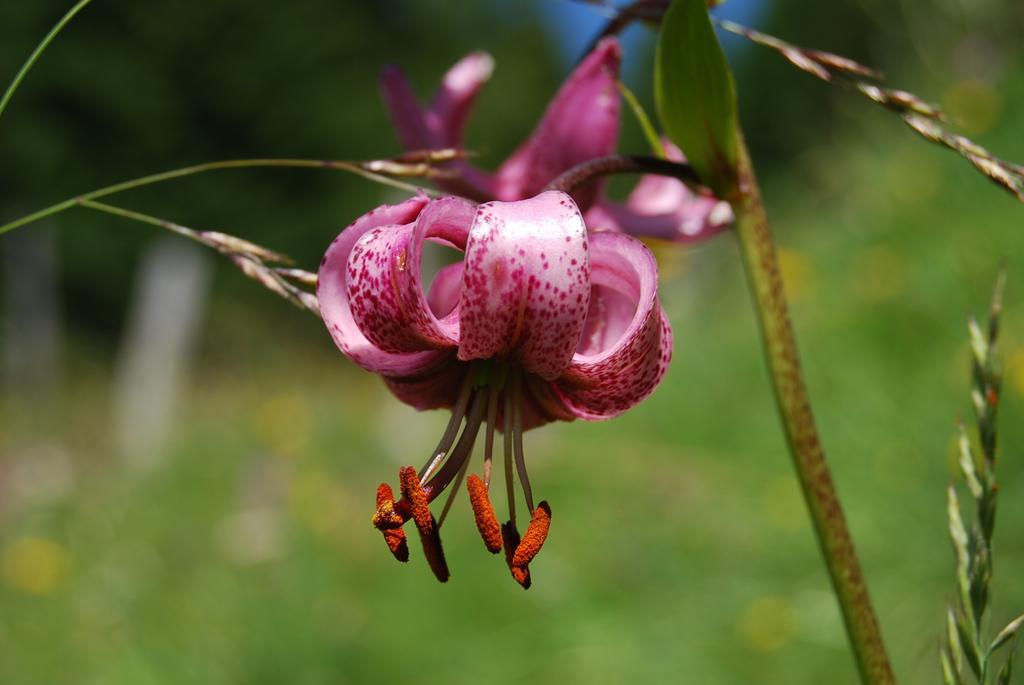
(240, 551)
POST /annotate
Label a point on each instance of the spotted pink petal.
(384, 282)
(664, 208)
(526, 284)
(627, 343)
(336, 309)
(582, 122)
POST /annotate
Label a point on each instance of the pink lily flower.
(541, 321)
(580, 123)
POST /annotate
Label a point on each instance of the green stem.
(20, 76)
(201, 168)
(761, 261)
(653, 140)
(138, 216)
(762, 266)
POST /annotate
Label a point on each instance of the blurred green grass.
(679, 547)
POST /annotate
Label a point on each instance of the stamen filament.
(510, 485)
(461, 451)
(449, 467)
(517, 436)
(448, 437)
(454, 490)
(492, 419)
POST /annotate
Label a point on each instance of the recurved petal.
(582, 122)
(433, 387)
(627, 343)
(692, 218)
(334, 301)
(526, 284)
(441, 125)
(384, 282)
(453, 100)
(664, 208)
(408, 117)
(445, 290)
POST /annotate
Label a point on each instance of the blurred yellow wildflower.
(767, 624)
(34, 566)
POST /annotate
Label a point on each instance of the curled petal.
(445, 290)
(446, 119)
(441, 125)
(542, 404)
(451, 104)
(582, 122)
(334, 300)
(663, 207)
(406, 114)
(435, 387)
(627, 342)
(526, 284)
(694, 218)
(385, 287)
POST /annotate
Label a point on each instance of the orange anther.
(486, 521)
(522, 576)
(386, 517)
(395, 539)
(511, 538)
(425, 523)
(389, 522)
(533, 539)
(418, 502)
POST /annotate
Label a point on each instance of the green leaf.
(695, 94)
(645, 121)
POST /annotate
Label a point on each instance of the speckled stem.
(761, 263)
